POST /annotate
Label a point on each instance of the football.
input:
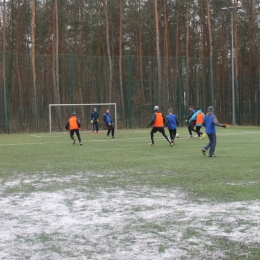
(177, 135)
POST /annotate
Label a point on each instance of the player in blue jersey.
(108, 123)
(210, 124)
(172, 124)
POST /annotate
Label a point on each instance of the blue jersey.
(172, 122)
(209, 124)
(107, 119)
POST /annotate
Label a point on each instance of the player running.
(158, 122)
(73, 126)
(199, 119)
(172, 124)
(193, 122)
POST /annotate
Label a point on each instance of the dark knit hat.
(210, 109)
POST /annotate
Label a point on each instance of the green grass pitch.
(122, 199)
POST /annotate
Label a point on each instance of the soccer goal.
(113, 114)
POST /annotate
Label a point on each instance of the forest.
(136, 53)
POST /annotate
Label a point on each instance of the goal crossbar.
(94, 104)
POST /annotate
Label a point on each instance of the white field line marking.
(125, 132)
(119, 132)
(123, 139)
(159, 137)
(30, 143)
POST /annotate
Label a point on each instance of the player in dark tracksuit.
(94, 121)
(108, 123)
(172, 124)
(192, 123)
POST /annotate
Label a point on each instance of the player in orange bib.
(158, 122)
(73, 126)
(199, 117)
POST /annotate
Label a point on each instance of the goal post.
(94, 104)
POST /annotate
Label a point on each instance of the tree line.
(136, 53)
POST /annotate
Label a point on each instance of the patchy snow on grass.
(242, 183)
(80, 222)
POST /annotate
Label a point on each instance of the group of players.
(196, 118)
(73, 125)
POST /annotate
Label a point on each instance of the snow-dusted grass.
(137, 222)
(121, 199)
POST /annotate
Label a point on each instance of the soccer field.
(122, 199)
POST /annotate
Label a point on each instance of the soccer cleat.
(171, 144)
(212, 155)
(203, 151)
(203, 136)
(200, 138)
(98, 133)
(92, 133)
(80, 143)
(190, 136)
(113, 137)
(151, 144)
(74, 141)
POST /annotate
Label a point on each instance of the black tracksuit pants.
(77, 133)
(110, 128)
(161, 130)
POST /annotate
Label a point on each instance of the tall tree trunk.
(18, 43)
(177, 55)
(223, 66)
(153, 96)
(166, 54)
(108, 54)
(159, 90)
(250, 37)
(140, 51)
(187, 94)
(236, 55)
(211, 53)
(55, 63)
(203, 43)
(253, 71)
(48, 56)
(235, 41)
(81, 53)
(34, 64)
(120, 59)
(4, 70)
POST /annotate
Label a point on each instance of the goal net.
(83, 112)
